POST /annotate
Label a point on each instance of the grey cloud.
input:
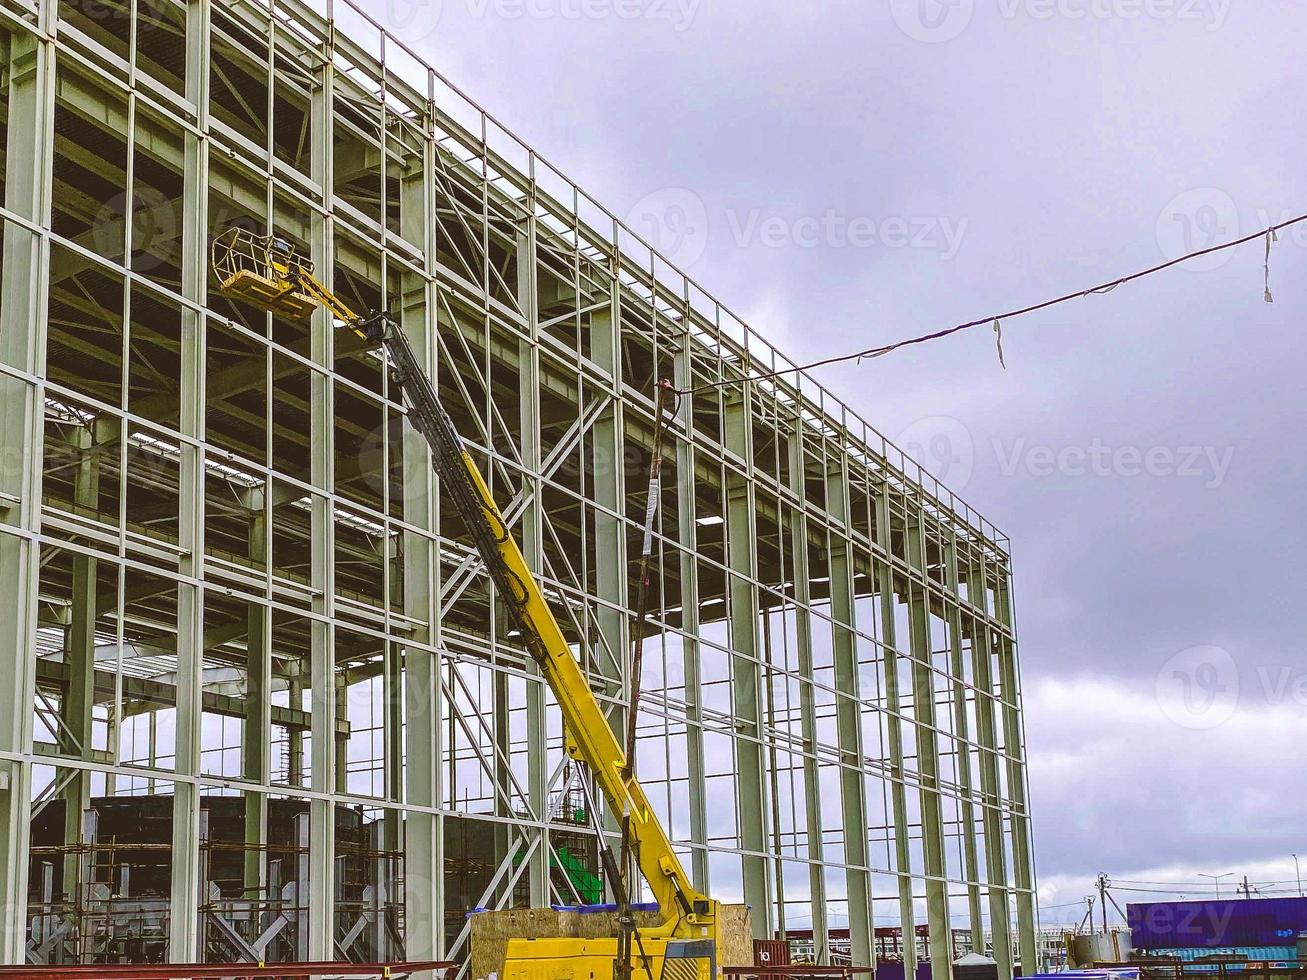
(1064, 144)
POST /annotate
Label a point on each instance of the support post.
(807, 702)
(848, 718)
(28, 155)
(992, 814)
(962, 728)
(689, 571)
(610, 650)
(77, 708)
(923, 705)
(1014, 747)
(746, 684)
(424, 850)
(256, 737)
(531, 537)
(894, 705)
(325, 778)
(183, 932)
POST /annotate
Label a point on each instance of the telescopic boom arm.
(591, 739)
(268, 272)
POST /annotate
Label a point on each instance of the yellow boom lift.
(270, 273)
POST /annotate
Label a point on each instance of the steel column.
(610, 652)
(28, 167)
(687, 528)
(256, 728)
(531, 539)
(962, 729)
(1014, 747)
(992, 814)
(184, 938)
(848, 714)
(894, 706)
(423, 843)
(807, 702)
(923, 707)
(746, 675)
(322, 575)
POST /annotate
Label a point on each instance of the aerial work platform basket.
(263, 270)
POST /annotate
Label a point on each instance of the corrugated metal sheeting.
(1266, 922)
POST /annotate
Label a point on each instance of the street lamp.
(1297, 874)
(1217, 879)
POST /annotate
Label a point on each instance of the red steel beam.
(198, 971)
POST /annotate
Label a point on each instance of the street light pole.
(1217, 879)
(1297, 874)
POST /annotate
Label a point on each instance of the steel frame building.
(259, 699)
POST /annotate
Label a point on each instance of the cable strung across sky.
(996, 319)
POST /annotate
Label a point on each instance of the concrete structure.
(229, 593)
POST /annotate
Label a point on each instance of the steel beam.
(1014, 747)
(992, 813)
(531, 539)
(183, 933)
(927, 732)
(256, 730)
(813, 809)
(29, 73)
(424, 846)
(610, 652)
(848, 717)
(746, 674)
(322, 575)
(885, 583)
(688, 568)
(77, 705)
(962, 730)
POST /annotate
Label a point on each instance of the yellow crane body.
(592, 959)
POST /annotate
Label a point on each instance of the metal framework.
(262, 702)
(195, 971)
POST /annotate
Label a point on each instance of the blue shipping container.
(1240, 922)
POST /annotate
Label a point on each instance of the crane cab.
(263, 270)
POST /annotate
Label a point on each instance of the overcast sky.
(851, 172)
